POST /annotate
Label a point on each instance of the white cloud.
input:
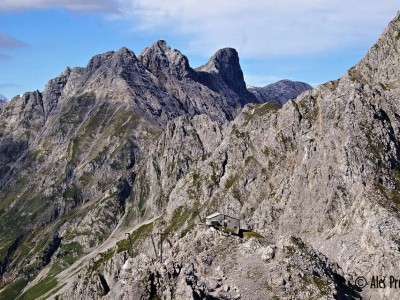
(256, 28)
(264, 28)
(74, 5)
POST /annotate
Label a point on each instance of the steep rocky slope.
(101, 149)
(279, 92)
(317, 181)
(321, 172)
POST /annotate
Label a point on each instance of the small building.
(219, 219)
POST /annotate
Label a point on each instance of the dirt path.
(66, 277)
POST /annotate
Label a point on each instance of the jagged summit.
(160, 57)
(219, 61)
(159, 83)
(112, 59)
(225, 63)
(161, 44)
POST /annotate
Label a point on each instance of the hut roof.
(213, 215)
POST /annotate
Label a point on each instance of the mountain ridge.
(88, 128)
(315, 179)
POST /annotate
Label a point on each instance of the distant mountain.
(279, 92)
(3, 99)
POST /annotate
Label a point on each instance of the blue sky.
(306, 40)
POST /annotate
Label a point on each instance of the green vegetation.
(384, 86)
(70, 252)
(73, 148)
(309, 108)
(195, 176)
(356, 76)
(77, 109)
(214, 176)
(261, 109)
(95, 124)
(312, 115)
(321, 285)
(252, 234)
(4, 248)
(9, 194)
(73, 194)
(231, 181)
(286, 140)
(104, 122)
(333, 84)
(38, 155)
(195, 189)
(71, 233)
(12, 290)
(136, 236)
(86, 178)
(225, 229)
(290, 250)
(179, 217)
(106, 256)
(39, 289)
(248, 159)
(237, 132)
(144, 190)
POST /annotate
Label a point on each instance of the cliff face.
(101, 143)
(149, 146)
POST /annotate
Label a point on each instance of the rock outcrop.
(224, 67)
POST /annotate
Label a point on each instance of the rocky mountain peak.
(225, 64)
(160, 57)
(222, 59)
(162, 45)
(112, 59)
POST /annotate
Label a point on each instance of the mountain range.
(108, 174)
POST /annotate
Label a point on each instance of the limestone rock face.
(210, 264)
(99, 143)
(161, 59)
(225, 65)
(223, 69)
(132, 152)
(279, 92)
